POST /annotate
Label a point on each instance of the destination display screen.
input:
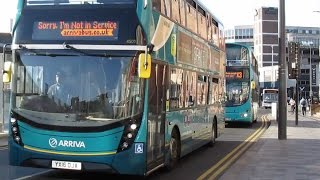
(270, 91)
(234, 75)
(76, 30)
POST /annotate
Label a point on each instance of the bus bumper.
(238, 117)
(121, 163)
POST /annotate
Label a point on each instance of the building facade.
(266, 45)
(240, 34)
(309, 77)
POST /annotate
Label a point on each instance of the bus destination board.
(270, 91)
(234, 75)
(75, 30)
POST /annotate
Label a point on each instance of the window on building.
(237, 34)
(251, 33)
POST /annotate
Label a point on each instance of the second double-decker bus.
(122, 85)
(269, 96)
(242, 84)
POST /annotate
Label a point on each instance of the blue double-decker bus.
(128, 86)
(242, 84)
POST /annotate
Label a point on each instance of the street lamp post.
(309, 44)
(273, 77)
(282, 108)
(310, 73)
(311, 96)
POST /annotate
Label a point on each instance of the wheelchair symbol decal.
(138, 148)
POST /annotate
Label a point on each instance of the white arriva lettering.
(78, 144)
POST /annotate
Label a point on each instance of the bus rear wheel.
(174, 150)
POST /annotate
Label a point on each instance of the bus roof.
(239, 44)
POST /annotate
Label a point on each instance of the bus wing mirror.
(7, 70)
(253, 85)
(144, 66)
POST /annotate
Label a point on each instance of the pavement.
(3, 139)
(297, 157)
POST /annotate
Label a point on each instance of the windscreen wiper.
(34, 52)
(68, 46)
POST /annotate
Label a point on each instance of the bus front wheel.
(174, 150)
(213, 136)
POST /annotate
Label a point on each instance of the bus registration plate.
(66, 165)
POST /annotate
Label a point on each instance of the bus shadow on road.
(242, 125)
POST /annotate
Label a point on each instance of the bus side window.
(202, 89)
(177, 92)
(192, 18)
(156, 4)
(215, 91)
(182, 9)
(165, 8)
(191, 87)
(202, 25)
(175, 10)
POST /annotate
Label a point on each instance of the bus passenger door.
(156, 116)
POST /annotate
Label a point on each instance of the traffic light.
(293, 60)
(295, 73)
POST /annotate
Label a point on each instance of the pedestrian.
(309, 104)
(303, 103)
(292, 103)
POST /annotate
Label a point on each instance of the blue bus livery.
(242, 85)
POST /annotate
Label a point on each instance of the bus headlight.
(17, 139)
(133, 126)
(15, 131)
(13, 120)
(129, 134)
(245, 115)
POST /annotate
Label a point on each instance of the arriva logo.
(53, 142)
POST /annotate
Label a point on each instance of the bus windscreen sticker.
(75, 30)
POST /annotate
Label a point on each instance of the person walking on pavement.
(309, 104)
(303, 103)
(292, 104)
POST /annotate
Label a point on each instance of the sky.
(241, 12)
(229, 12)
